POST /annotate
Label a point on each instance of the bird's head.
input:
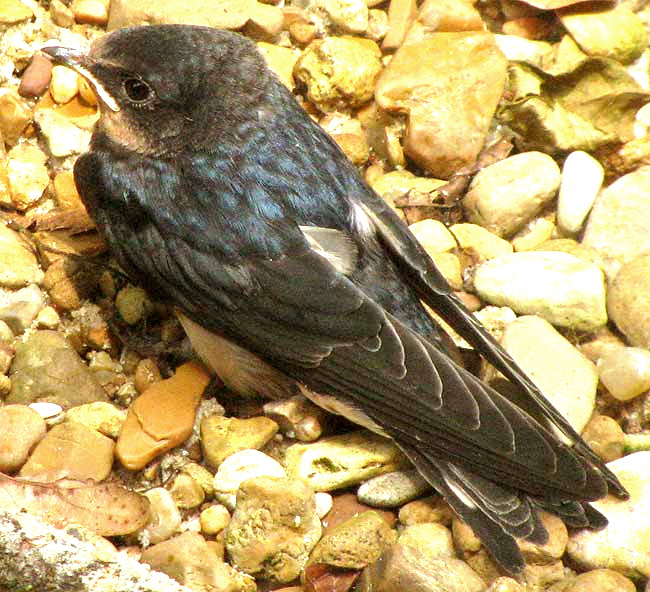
(161, 87)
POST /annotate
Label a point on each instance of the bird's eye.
(137, 90)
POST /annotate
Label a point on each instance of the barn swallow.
(217, 193)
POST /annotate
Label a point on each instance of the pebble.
(164, 517)
(133, 304)
(625, 372)
(339, 72)
(70, 451)
(398, 183)
(90, 12)
(517, 48)
(392, 489)
(616, 33)
(103, 417)
(47, 318)
(14, 116)
(87, 92)
(250, 15)
(63, 86)
(616, 226)
(450, 267)
(480, 242)
(565, 376)
(605, 437)
(450, 16)
(223, 436)
(273, 529)
(401, 15)
(63, 137)
(377, 24)
(61, 14)
(297, 417)
(431, 539)
(69, 282)
(628, 301)
(343, 460)
(624, 544)
(146, 374)
(345, 506)
(302, 33)
(433, 235)
(14, 11)
(403, 563)
(348, 16)
(429, 509)
(556, 286)
(324, 503)
(47, 368)
(22, 308)
(162, 417)
(597, 580)
(18, 264)
(27, 175)
(241, 466)
(186, 492)
(504, 584)
(21, 428)
(36, 77)
(582, 178)
(50, 412)
(355, 543)
(281, 60)
(534, 234)
(505, 195)
(214, 519)
(553, 549)
(422, 82)
(189, 559)
(202, 476)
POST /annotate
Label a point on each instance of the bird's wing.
(421, 273)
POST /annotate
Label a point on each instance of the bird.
(216, 192)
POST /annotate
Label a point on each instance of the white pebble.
(47, 410)
(64, 85)
(625, 372)
(582, 178)
(324, 502)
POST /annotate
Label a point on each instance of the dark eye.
(137, 90)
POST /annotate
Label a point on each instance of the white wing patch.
(335, 246)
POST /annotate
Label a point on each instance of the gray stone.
(404, 568)
(618, 224)
(556, 286)
(392, 489)
(624, 544)
(582, 178)
(47, 368)
(504, 196)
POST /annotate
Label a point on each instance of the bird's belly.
(248, 375)
(241, 371)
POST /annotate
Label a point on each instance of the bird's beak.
(78, 61)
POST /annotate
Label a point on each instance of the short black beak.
(66, 56)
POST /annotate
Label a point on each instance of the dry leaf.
(321, 577)
(105, 508)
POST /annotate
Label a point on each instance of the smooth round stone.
(64, 84)
(625, 372)
(392, 489)
(20, 429)
(605, 437)
(582, 178)
(484, 243)
(556, 286)
(504, 196)
(164, 517)
(214, 519)
(433, 235)
(241, 466)
(431, 539)
(324, 503)
(624, 544)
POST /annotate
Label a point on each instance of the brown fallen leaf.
(320, 577)
(105, 508)
(73, 221)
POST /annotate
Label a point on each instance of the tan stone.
(605, 437)
(401, 14)
(450, 15)
(90, 12)
(73, 451)
(103, 417)
(281, 60)
(428, 509)
(64, 84)
(61, 14)
(596, 580)
(18, 264)
(162, 417)
(553, 549)
(451, 73)
(225, 14)
(20, 429)
(14, 11)
(27, 175)
(186, 492)
(14, 117)
(223, 436)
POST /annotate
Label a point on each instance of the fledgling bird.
(216, 192)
